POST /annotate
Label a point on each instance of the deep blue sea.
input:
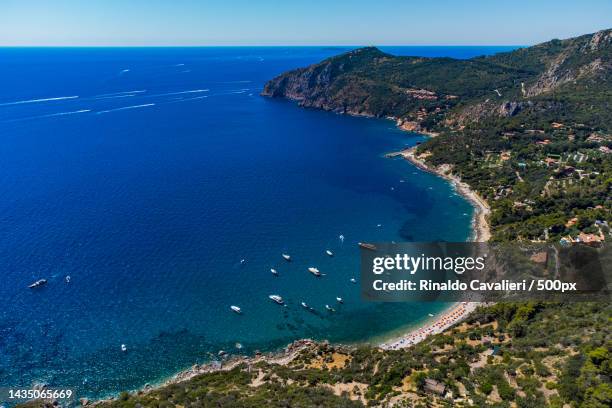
(147, 174)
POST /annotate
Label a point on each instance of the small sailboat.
(277, 299)
(274, 271)
(331, 309)
(314, 271)
(287, 257)
(328, 252)
(341, 238)
(38, 283)
(236, 309)
(339, 299)
(353, 280)
(123, 347)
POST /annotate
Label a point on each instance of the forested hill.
(529, 130)
(369, 82)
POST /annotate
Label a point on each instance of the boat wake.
(59, 98)
(126, 108)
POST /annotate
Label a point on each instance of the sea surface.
(154, 187)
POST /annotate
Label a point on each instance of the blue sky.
(311, 22)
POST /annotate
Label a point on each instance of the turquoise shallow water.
(147, 175)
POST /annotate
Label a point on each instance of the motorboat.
(331, 309)
(328, 252)
(287, 257)
(236, 309)
(38, 283)
(314, 271)
(364, 245)
(277, 299)
(274, 271)
(339, 299)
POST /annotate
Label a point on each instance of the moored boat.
(277, 299)
(287, 257)
(365, 245)
(236, 309)
(274, 271)
(314, 271)
(328, 252)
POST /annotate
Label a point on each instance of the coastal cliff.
(434, 92)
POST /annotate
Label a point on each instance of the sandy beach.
(481, 233)
(437, 324)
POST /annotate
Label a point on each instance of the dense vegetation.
(529, 130)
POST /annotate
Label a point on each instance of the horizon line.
(260, 46)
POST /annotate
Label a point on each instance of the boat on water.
(123, 347)
(287, 257)
(305, 305)
(339, 299)
(365, 245)
(277, 299)
(67, 279)
(274, 271)
(328, 252)
(238, 346)
(431, 315)
(236, 309)
(353, 280)
(38, 283)
(331, 309)
(314, 271)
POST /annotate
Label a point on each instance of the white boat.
(353, 280)
(38, 283)
(314, 271)
(287, 257)
(331, 309)
(67, 278)
(431, 315)
(236, 309)
(274, 271)
(123, 347)
(242, 261)
(277, 299)
(328, 252)
(305, 305)
(238, 346)
(339, 299)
